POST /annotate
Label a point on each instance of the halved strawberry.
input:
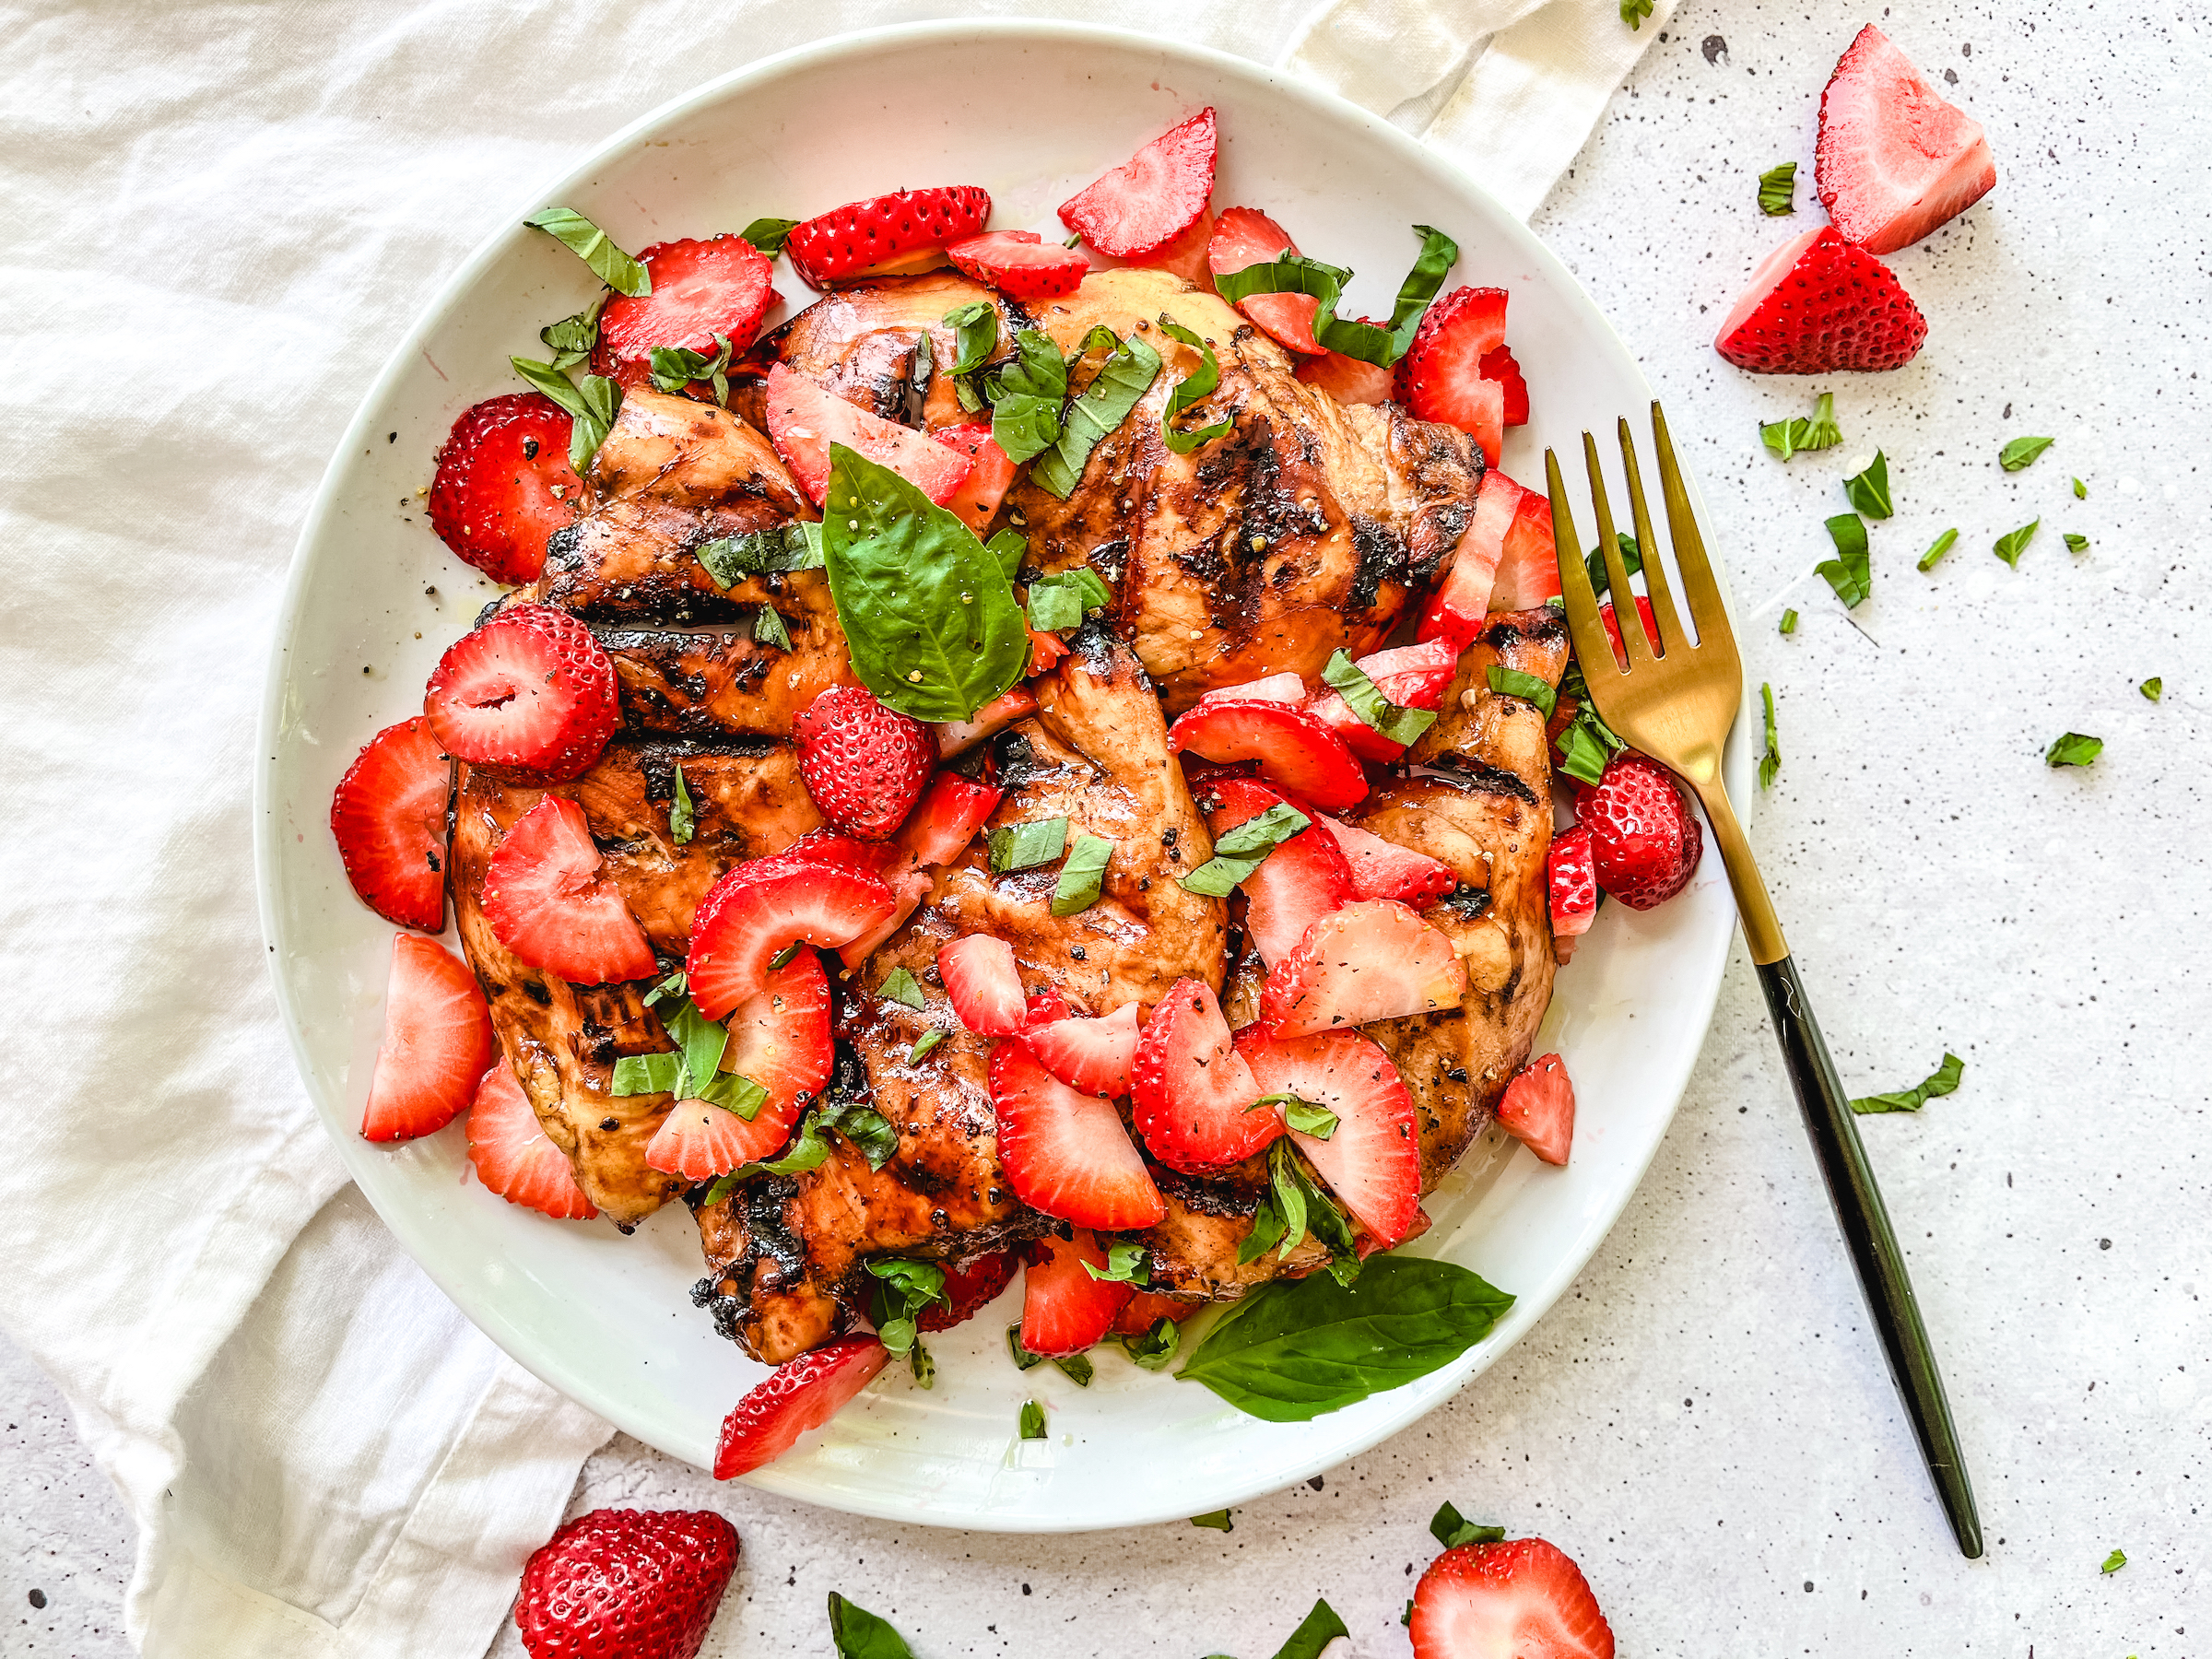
(504, 485)
(1528, 566)
(1147, 1308)
(1291, 746)
(862, 761)
(1441, 377)
(958, 736)
(1142, 206)
(1284, 686)
(1412, 676)
(437, 1042)
(1372, 1161)
(1371, 959)
(1065, 1152)
(1574, 883)
(547, 901)
(1064, 1309)
(513, 1156)
(1021, 263)
(1382, 869)
(1191, 1088)
(977, 499)
(529, 696)
(699, 289)
(1538, 1109)
(745, 923)
(1301, 881)
(1500, 366)
(969, 1289)
(984, 983)
(1490, 1601)
(1895, 158)
(1346, 379)
(945, 820)
(1816, 305)
(853, 240)
(804, 420)
(1245, 236)
(1094, 1055)
(388, 814)
(798, 1396)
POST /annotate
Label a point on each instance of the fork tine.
(1625, 614)
(1698, 585)
(1590, 647)
(1671, 635)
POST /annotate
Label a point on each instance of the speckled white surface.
(1704, 1423)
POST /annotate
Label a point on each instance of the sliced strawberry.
(1244, 237)
(1538, 1109)
(1142, 206)
(388, 814)
(504, 485)
(1572, 878)
(699, 289)
(743, 924)
(1371, 959)
(1301, 881)
(969, 1289)
(1045, 1006)
(1147, 1308)
(1192, 1090)
(1455, 611)
(1894, 158)
(984, 983)
(1291, 746)
(1185, 253)
(865, 763)
(1064, 1309)
(1499, 365)
(1492, 1601)
(1347, 380)
(798, 1396)
(1284, 686)
(437, 1042)
(513, 1156)
(854, 240)
(547, 900)
(977, 499)
(1645, 841)
(1021, 263)
(945, 820)
(1440, 376)
(909, 888)
(1816, 305)
(1094, 1055)
(804, 420)
(1372, 1161)
(1382, 869)
(1528, 567)
(529, 696)
(883, 860)
(1045, 649)
(781, 1039)
(1412, 676)
(958, 736)
(700, 1140)
(1065, 1152)
(1612, 622)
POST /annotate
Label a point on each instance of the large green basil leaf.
(1127, 375)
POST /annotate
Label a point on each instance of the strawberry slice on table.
(945, 820)
(984, 983)
(779, 1039)
(1065, 1152)
(1645, 841)
(1303, 880)
(644, 1584)
(1441, 377)
(1371, 959)
(977, 499)
(855, 239)
(804, 420)
(865, 763)
(1817, 305)
(1382, 869)
(1503, 1600)
(512, 1154)
(388, 814)
(504, 485)
(1412, 676)
(1500, 366)
(699, 289)
(1096, 1056)
(1348, 379)
(969, 1289)
(1571, 877)
(1064, 1309)
(1372, 1160)
(1021, 263)
(798, 1396)
(1142, 206)
(1538, 1109)
(437, 1042)
(548, 902)
(1243, 237)
(1894, 158)
(745, 922)
(1292, 748)
(1191, 1089)
(529, 696)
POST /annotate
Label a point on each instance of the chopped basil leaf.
(974, 335)
(1938, 548)
(2153, 688)
(1512, 682)
(1152, 1350)
(1125, 1265)
(859, 1634)
(1023, 1358)
(1633, 12)
(1240, 851)
(1322, 1626)
(647, 1074)
(734, 1093)
(680, 818)
(701, 1043)
(1366, 701)
(675, 367)
(1869, 490)
(1128, 374)
(1025, 394)
(1301, 1116)
(925, 1368)
(1076, 1368)
(2081, 490)
(1451, 1529)
(1009, 547)
(923, 1045)
(2013, 543)
(1778, 190)
(674, 985)
(1785, 438)
(768, 629)
(2076, 544)
(1912, 1100)
(1293, 1205)
(868, 1130)
(1199, 383)
(2071, 748)
(595, 248)
(1294, 273)
(732, 558)
(2113, 1563)
(590, 407)
(782, 957)
(1593, 561)
(570, 339)
(1082, 876)
(768, 235)
(1851, 573)
(1033, 1420)
(1061, 601)
(1771, 761)
(1217, 1521)
(929, 615)
(1439, 253)
(1025, 846)
(902, 1293)
(1789, 623)
(900, 986)
(2022, 451)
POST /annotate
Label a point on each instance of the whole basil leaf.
(1200, 382)
(768, 235)
(595, 248)
(928, 614)
(859, 1634)
(1295, 1349)
(1127, 375)
(1009, 547)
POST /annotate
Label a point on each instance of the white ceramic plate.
(374, 598)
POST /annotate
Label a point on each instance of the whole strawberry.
(1645, 841)
(627, 1585)
(863, 763)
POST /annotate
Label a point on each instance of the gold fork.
(1675, 702)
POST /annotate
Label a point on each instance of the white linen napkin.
(219, 217)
